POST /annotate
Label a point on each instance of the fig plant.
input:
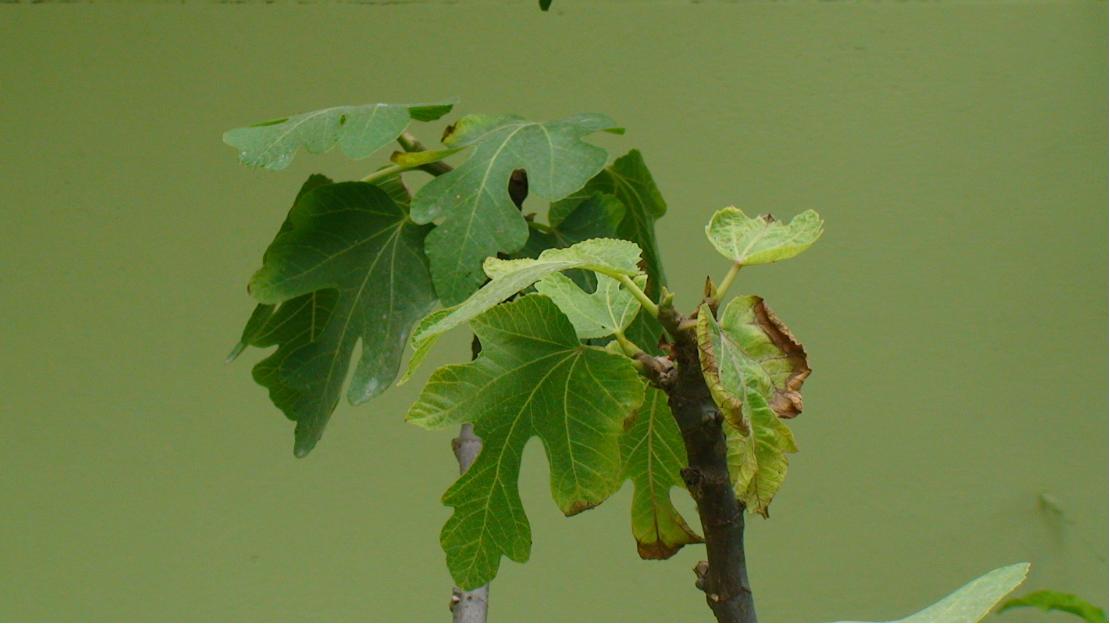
(577, 340)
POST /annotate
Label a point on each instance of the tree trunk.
(724, 578)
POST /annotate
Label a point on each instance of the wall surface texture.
(955, 310)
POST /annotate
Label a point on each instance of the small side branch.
(409, 143)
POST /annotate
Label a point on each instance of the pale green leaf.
(479, 219)
(604, 312)
(973, 601)
(1047, 600)
(533, 378)
(346, 268)
(760, 240)
(653, 454)
(358, 130)
(508, 277)
(259, 323)
(754, 368)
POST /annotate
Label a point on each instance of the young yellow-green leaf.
(760, 240)
(533, 378)
(754, 368)
(604, 312)
(358, 130)
(973, 601)
(1047, 600)
(347, 267)
(653, 453)
(508, 277)
(479, 217)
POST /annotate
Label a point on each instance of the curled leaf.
(754, 368)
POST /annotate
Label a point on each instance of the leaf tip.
(235, 351)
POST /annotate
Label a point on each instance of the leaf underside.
(973, 601)
(359, 131)
(346, 268)
(605, 311)
(478, 217)
(533, 378)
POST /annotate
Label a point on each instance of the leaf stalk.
(640, 295)
(727, 281)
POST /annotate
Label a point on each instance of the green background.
(955, 310)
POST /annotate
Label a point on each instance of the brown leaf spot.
(787, 401)
(579, 506)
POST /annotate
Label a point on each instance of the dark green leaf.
(346, 267)
(629, 180)
(533, 378)
(596, 217)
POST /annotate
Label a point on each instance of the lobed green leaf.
(533, 378)
(479, 219)
(347, 267)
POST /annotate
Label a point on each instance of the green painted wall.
(956, 309)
